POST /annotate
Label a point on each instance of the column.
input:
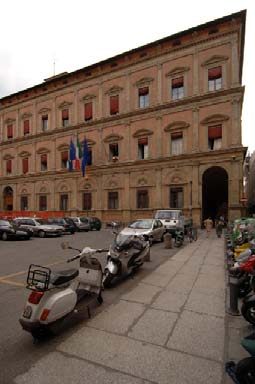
(159, 137)
(76, 107)
(127, 93)
(195, 73)
(53, 115)
(234, 63)
(236, 122)
(100, 100)
(195, 135)
(159, 84)
(158, 190)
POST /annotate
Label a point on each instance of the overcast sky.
(74, 34)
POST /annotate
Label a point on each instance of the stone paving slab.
(200, 335)
(143, 293)
(206, 285)
(170, 301)
(157, 279)
(154, 326)
(181, 283)
(140, 359)
(71, 370)
(117, 318)
(170, 268)
(207, 304)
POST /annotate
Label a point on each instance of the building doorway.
(215, 193)
(8, 198)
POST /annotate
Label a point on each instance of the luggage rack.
(38, 277)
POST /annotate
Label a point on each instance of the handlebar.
(100, 250)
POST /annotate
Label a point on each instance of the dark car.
(9, 231)
(72, 223)
(63, 222)
(95, 223)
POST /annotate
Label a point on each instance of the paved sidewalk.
(171, 328)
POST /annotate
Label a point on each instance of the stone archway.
(214, 193)
(8, 198)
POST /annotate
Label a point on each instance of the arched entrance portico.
(8, 199)
(214, 193)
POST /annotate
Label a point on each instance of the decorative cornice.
(24, 154)
(44, 110)
(176, 125)
(88, 97)
(112, 137)
(9, 121)
(115, 90)
(215, 59)
(216, 118)
(8, 157)
(142, 132)
(145, 81)
(63, 147)
(65, 104)
(42, 150)
(177, 71)
(26, 115)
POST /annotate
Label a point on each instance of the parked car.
(71, 222)
(82, 223)
(9, 231)
(39, 226)
(95, 223)
(68, 227)
(153, 228)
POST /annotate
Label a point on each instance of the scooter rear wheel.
(248, 312)
(107, 279)
(245, 370)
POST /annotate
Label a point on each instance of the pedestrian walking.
(208, 223)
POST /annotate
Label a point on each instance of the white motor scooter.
(55, 294)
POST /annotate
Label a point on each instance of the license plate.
(27, 312)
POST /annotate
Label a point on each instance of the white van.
(172, 219)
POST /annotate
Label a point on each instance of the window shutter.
(176, 135)
(215, 132)
(25, 165)
(64, 155)
(26, 126)
(214, 73)
(9, 166)
(143, 141)
(143, 91)
(88, 111)
(178, 82)
(65, 114)
(114, 104)
(44, 158)
(9, 131)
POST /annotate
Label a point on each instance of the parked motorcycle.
(126, 254)
(55, 294)
(243, 372)
(179, 238)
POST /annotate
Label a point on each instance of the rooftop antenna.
(54, 66)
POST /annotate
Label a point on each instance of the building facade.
(162, 123)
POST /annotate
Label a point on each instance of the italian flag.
(78, 154)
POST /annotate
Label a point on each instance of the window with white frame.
(176, 143)
(45, 123)
(215, 137)
(143, 149)
(215, 78)
(143, 93)
(177, 87)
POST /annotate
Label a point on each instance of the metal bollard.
(233, 293)
(168, 240)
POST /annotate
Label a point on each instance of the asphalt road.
(17, 351)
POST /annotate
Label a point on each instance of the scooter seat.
(61, 277)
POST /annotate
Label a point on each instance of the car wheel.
(41, 234)
(4, 236)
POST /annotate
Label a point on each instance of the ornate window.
(44, 162)
(178, 82)
(113, 200)
(215, 73)
(142, 199)
(42, 202)
(143, 148)
(25, 165)
(63, 202)
(24, 203)
(9, 166)
(176, 143)
(86, 201)
(176, 197)
(143, 97)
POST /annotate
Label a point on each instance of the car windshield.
(167, 215)
(42, 221)
(5, 223)
(141, 224)
(84, 219)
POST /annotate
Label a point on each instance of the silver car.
(40, 227)
(153, 228)
(82, 223)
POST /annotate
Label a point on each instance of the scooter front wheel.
(248, 311)
(107, 279)
(245, 370)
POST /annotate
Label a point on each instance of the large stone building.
(162, 123)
